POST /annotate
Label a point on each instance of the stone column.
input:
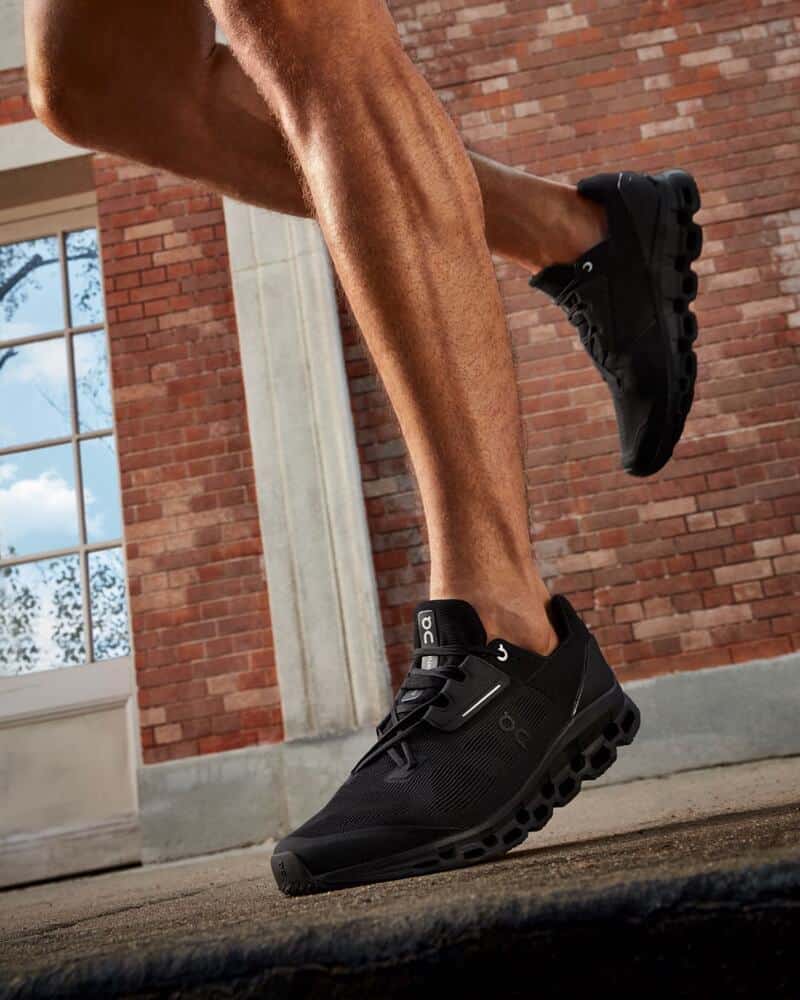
(323, 598)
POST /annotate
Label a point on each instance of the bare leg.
(401, 211)
(156, 60)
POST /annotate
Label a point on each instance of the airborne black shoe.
(480, 745)
(629, 299)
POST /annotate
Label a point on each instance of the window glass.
(31, 292)
(100, 489)
(83, 278)
(38, 503)
(34, 393)
(41, 616)
(92, 382)
(45, 611)
(110, 633)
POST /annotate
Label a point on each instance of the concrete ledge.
(28, 143)
(722, 715)
(205, 804)
(693, 720)
(59, 851)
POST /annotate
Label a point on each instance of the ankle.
(520, 615)
(581, 224)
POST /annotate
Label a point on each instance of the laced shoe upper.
(607, 296)
(466, 730)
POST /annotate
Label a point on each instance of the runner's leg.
(401, 212)
(159, 90)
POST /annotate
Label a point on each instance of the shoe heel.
(684, 189)
(682, 243)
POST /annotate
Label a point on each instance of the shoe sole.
(585, 749)
(678, 242)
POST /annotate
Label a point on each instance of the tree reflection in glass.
(110, 634)
(83, 278)
(41, 615)
(42, 604)
(30, 288)
(92, 383)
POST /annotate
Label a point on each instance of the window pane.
(83, 277)
(34, 396)
(31, 296)
(41, 616)
(101, 489)
(38, 504)
(110, 636)
(92, 383)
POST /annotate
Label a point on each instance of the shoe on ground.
(629, 298)
(482, 742)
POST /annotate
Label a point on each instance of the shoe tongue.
(555, 278)
(444, 623)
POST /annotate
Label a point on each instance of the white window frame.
(57, 217)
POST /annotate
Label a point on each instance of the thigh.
(114, 46)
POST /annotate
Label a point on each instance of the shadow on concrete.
(702, 909)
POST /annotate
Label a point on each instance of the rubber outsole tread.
(675, 286)
(583, 760)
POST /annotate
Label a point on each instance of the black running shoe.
(481, 743)
(629, 299)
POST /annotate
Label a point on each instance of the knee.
(56, 55)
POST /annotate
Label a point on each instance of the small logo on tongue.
(426, 624)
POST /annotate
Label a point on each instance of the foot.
(481, 743)
(629, 298)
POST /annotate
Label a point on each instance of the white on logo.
(587, 265)
(426, 624)
(504, 657)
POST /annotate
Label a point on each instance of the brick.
(254, 698)
(668, 508)
(788, 564)
(755, 570)
(167, 734)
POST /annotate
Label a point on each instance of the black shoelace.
(419, 690)
(579, 313)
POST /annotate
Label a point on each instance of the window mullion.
(76, 454)
(31, 338)
(15, 449)
(31, 557)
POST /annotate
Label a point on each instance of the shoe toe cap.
(330, 852)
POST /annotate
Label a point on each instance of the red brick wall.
(204, 659)
(699, 566)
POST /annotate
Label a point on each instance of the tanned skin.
(315, 109)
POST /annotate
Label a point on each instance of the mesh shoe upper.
(468, 749)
